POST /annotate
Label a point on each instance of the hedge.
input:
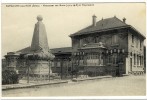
(9, 77)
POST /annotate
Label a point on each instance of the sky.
(61, 21)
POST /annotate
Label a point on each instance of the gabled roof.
(63, 50)
(102, 24)
(24, 50)
(54, 50)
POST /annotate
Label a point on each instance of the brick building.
(108, 45)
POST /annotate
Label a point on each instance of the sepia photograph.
(73, 49)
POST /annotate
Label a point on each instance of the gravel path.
(119, 86)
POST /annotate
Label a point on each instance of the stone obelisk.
(40, 58)
(39, 40)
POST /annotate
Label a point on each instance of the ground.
(116, 86)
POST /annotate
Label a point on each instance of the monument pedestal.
(39, 69)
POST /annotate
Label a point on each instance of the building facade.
(108, 46)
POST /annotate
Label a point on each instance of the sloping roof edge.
(137, 31)
(127, 26)
(61, 50)
(72, 35)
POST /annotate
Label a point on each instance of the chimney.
(124, 20)
(94, 20)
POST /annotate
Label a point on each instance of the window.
(137, 43)
(140, 60)
(114, 39)
(81, 42)
(97, 39)
(88, 40)
(130, 64)
(58, 64)
(132, 38)
(137, 60)
(109, 59)
(102, 63)
(94, 59)
(114, 59)
(140, 44)
(134, 59)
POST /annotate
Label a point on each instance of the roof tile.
(102, 25)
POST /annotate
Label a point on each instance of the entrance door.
(117, 70)
(130, 64)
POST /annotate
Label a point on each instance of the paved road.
(119, 86)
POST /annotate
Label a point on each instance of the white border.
(66, 1)
(73, 1)
(78, 97)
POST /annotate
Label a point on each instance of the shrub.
(9, 77)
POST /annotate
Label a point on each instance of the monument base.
(40, 68)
